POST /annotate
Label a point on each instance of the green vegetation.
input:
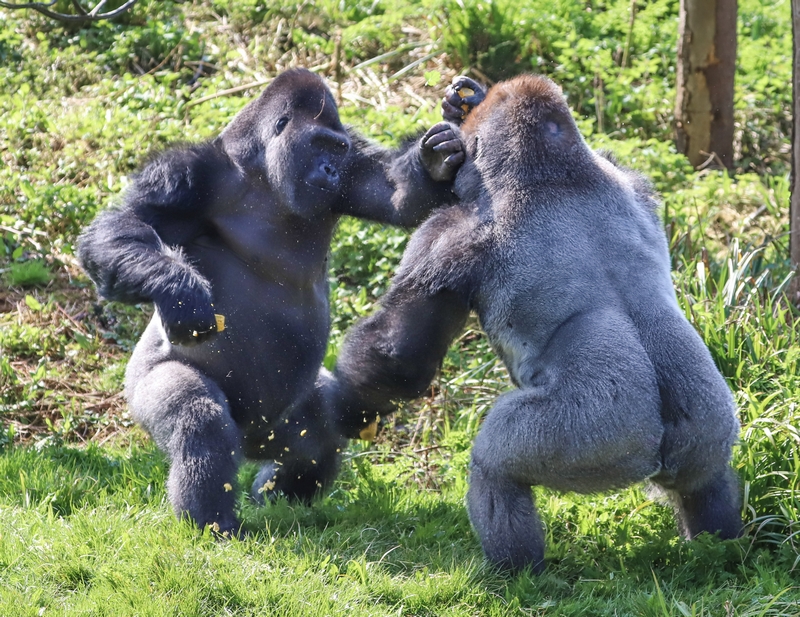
(86, 527)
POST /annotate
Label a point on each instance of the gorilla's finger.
(453, 145)
(437, 128)
(455, 159)
(439, 138)
(451, 112)
(461, 82)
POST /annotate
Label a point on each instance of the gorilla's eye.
(281, 124)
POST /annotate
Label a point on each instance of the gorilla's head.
(291, 137)
(523, 132)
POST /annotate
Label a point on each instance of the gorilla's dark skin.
(560, 252)
(241, 226)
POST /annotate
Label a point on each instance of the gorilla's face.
(292, 137)
(305, 147)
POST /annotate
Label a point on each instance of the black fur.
(241, 226)
(560, 253)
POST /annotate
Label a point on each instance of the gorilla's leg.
(188, 417)
(306, 451)
(505, 519)
(586, 419)
(700, 428)
(713, 507)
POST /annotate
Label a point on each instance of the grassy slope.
(86, 526)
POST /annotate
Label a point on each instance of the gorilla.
(560, 252)
(240, 228)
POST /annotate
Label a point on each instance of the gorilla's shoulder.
(646, 193)
(184, 170)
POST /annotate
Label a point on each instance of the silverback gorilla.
(561, 254)
(241, 226)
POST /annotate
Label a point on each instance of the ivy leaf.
(432, 78)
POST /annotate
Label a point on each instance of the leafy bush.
(28, 274)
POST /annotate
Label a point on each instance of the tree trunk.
(706, 69)
(794, 210)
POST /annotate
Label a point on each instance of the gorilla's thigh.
(591, 422)
(698, 409)
(188, 417)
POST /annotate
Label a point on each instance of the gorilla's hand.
(460, 98)
(187, 317)
(442, 152)
(347, 409)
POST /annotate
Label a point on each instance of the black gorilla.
(561, 254)
(241, 226)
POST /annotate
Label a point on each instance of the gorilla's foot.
(504, 517)
(714, 507)
(297, 480)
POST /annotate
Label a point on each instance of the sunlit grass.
(86, 527)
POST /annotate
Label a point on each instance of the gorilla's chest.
(273, 245)
(272, 289)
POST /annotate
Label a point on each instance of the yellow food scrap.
(220, 319)
(271, 436)
(227, 486)
(368, 432)
(268, 486)
(464, 93)
(303, 433)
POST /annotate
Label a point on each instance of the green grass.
(86, 528)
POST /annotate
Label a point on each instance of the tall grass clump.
(739, 307)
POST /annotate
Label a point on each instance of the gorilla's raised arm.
(132, 252)
(402, 187)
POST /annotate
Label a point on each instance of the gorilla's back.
(570, 252)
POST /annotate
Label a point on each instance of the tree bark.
(706, 70)
(794, 210)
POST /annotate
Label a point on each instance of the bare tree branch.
(81, 16)
(78, 7)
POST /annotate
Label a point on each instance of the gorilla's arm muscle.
(133, 253)
(391, 186)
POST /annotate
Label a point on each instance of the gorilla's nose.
(324, 175)
(330, 170)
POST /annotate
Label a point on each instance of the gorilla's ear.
(552, 127)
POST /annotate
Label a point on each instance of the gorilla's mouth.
(327, 188)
